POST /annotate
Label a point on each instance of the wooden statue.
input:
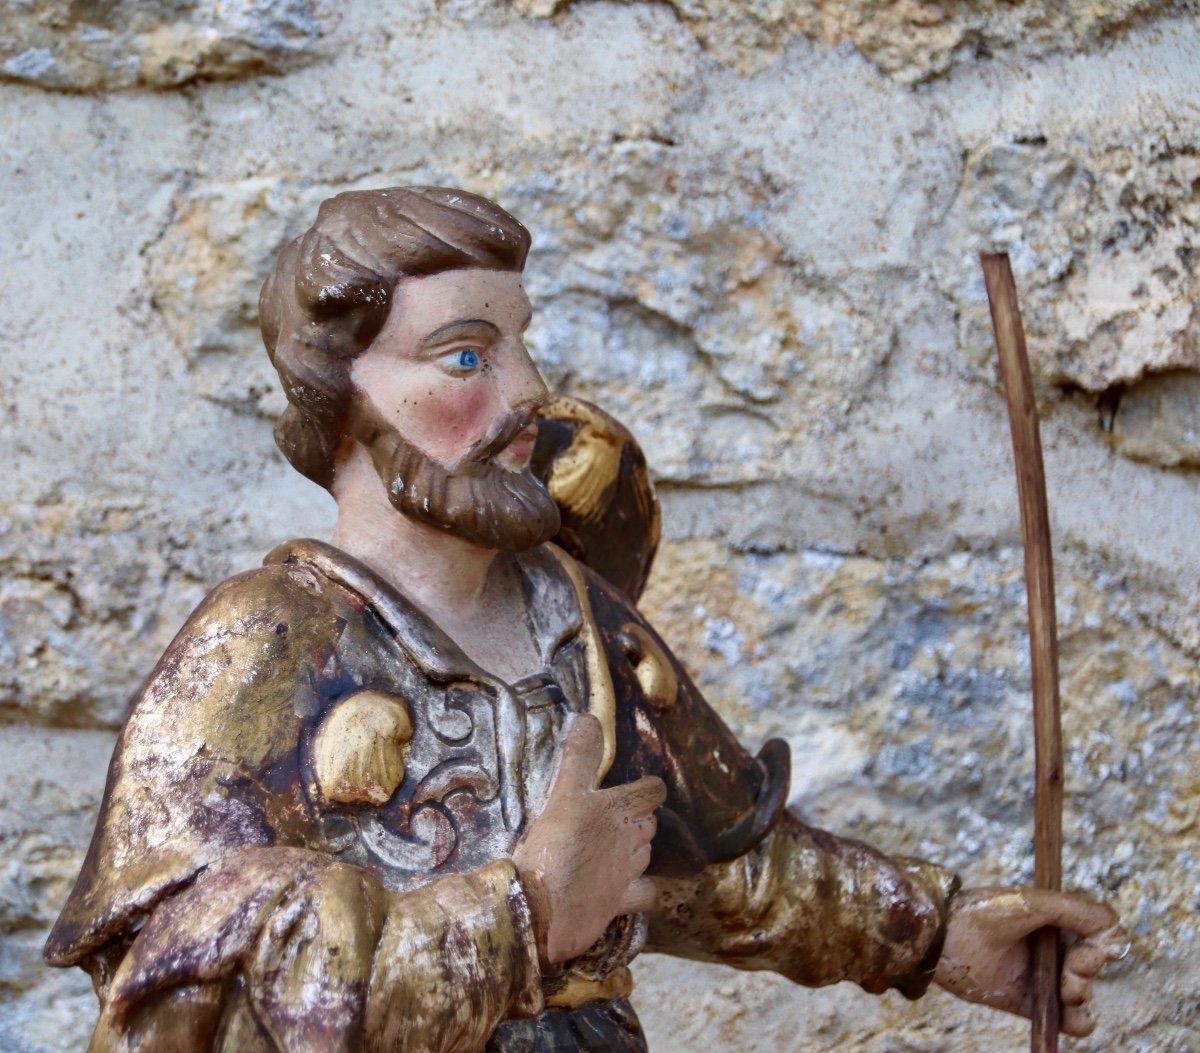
(434, 784)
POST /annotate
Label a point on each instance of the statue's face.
(450, 366)
(447, 409)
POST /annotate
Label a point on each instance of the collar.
(559, 610)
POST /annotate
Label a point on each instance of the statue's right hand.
(581, 861)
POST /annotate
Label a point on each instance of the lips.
(521, 448)
(502, 435)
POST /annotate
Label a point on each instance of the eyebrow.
(459, 328)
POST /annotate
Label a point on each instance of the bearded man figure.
(433, 785)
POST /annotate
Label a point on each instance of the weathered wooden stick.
(1043, 634)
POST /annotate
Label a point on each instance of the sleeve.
(287, 950)
(815, 908)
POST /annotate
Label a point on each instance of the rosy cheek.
(453, 417)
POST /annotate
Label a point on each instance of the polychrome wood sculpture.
(433, 785)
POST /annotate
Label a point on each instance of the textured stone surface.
(912, 40)
(1074, 221)
(66, 45)
(84, 599)
(1158, 420)
(760, 252)
(51, 783)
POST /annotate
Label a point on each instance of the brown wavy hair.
(330, 291)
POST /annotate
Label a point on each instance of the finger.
(1076, 990)
(638, 800)
(1087, 958)
(639, 859)
(1114, 942)
(1072, 911)
(580, 756)
(1077, 1020)
(640, 896)
(645, 829)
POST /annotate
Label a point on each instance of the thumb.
(640, 897)
(580, 756)
(1014, 913)
(1073, 911)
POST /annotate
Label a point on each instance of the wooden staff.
(1043, 634)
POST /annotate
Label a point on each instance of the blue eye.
(464, 362)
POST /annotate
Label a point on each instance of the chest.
(430, 774)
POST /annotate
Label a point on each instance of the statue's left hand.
(986, 956)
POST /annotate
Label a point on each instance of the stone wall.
(756, 234)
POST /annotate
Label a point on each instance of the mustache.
(499, 436)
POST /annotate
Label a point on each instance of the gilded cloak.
(306, 835)
(217, 822)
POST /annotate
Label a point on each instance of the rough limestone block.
(912, 40)
(1102, 242)
(1158, 420)
(50, 787)
(756, 230)
(68, 46)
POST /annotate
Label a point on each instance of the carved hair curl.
(330, 291)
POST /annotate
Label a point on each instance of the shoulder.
(265, 599)
(237, 675)
(268, 614)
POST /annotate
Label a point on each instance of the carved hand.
(581, 861)
(986, 955)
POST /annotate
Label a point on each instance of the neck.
(445, 575)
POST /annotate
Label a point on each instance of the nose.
(528, 390)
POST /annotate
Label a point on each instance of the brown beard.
(478, 500)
